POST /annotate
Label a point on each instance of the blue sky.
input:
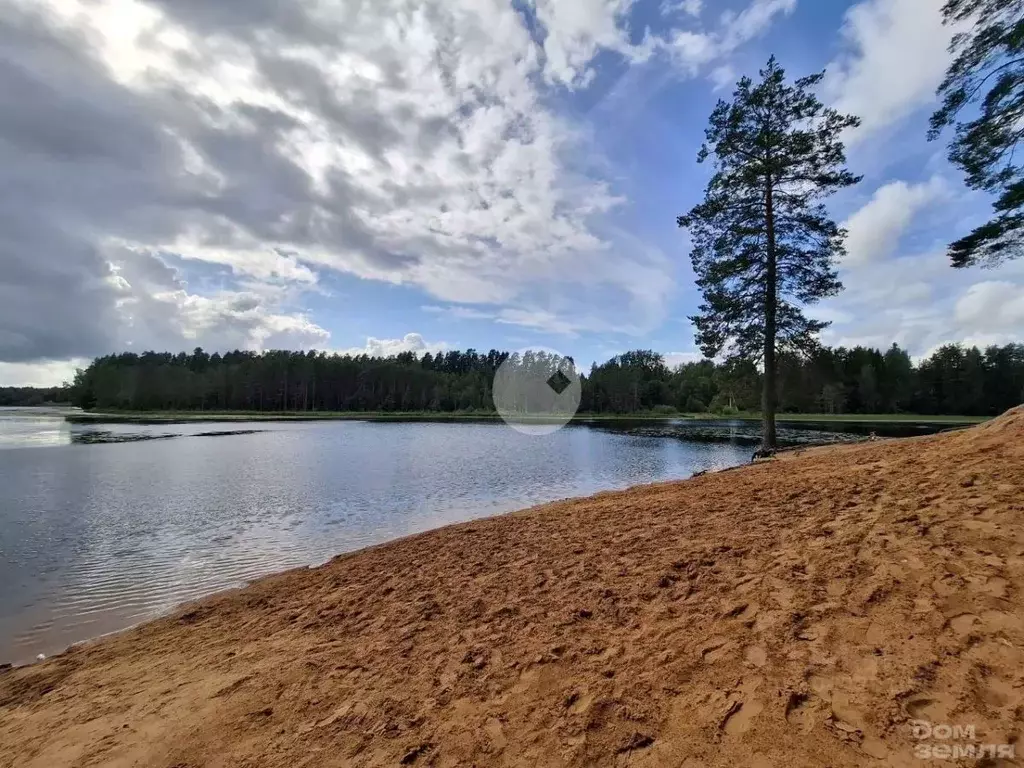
(417, 174)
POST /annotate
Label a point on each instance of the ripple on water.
(94, 538)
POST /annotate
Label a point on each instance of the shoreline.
(799, 611)
(185, 417)
(185, 604)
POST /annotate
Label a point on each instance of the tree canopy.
(987, 72)
(764, 246)
(953, 380)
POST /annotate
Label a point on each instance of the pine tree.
(990, 55)
(763, 244)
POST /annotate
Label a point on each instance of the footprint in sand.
(756, 656)
(496, 733)
(982, 526)
(933, 707)
(923, 605)
(963, 623)
(784, 596)
(1000, 621)
(782, 593)
(997, 692)
(864, 670)
(734, 610)
(996, 586)
(874, 748)
(914, 563)
(714, 649)
(800, 710)
(740, 716)
(837, 587)
(948, 585)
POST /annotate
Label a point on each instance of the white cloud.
(411, 342)
(156, 310)
(673, 359)
(458, 312)
(920, 302)
(689, 7)
(876, 228)
(753, 20)
(407, 143)
(992, 307)
(577, 30)
(896, 292)
(896, 57)
(723, 77)
(692, 50)
(412, 142)
(50, 373)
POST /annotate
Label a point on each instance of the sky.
(391, 175)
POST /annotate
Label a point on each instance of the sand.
(797, 612)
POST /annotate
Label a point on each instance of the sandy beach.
(803, 611)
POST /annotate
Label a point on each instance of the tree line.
(954, 380)
(33, 396)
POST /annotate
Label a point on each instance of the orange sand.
(795, 612)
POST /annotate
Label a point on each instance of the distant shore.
(801, 611)
(184, 417)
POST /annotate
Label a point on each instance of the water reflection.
(21, 427)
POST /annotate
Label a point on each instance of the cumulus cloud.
(689, 7)
(155, 310)
(411, 342)
(876, 228)
(896, 56)
(408, 141)
(693, 50)
(992, 307)
(897, 293)
(97, 168)
(405, 142)
(575, 33)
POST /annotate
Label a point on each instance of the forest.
(954, 380)
(33, 396)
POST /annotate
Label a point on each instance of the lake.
(103, 526)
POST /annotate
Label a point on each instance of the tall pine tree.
(763, 244)
(988, 68)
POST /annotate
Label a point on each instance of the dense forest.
(33, 396)
(953, 380)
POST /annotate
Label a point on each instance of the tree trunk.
(768, 391)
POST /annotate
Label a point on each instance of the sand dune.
(797, 612)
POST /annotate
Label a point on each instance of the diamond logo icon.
(559, 382)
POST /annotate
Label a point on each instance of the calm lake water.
(96, 534)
